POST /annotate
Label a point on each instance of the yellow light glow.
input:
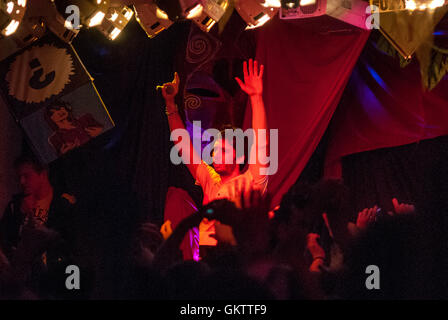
(11, 28)
(9, 7)
(128, 15)
(271, 4)
(307, 2)
(265, 18)
(68, 25)
(114, 34)
(422, 7)
(161, 14)
(195, 12)
(436, 4)
(97, 19)
(411, 5)
(211, 25)
(21, 3)
(114, 16)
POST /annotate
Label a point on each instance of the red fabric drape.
(385, 106)
(307, 65)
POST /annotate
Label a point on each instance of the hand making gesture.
(253, 78)
(170, 89)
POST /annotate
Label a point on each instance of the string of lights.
(111, 17)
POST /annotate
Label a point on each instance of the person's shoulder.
(212, 173)
(206, 174)
(260, 180)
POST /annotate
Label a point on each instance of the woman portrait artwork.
(70, 132)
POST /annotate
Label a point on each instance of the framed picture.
(53, 98)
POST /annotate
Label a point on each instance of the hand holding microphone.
(170, 89)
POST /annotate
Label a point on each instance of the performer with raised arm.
(221, 179)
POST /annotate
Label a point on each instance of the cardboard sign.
(52, 96)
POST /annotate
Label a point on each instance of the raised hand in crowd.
(402, 208)
(316, 251)
(366, 217)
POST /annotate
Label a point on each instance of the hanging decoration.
(408, 27)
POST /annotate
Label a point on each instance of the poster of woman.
(70, 132)
(67, 123)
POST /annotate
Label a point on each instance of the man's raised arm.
(189, 155)
(253, 86)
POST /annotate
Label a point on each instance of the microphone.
(169, 89)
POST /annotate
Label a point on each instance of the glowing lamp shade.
(115, 21)
(257, 13)
(92, 12)
(31, 29)
(11, 27)
(151, 18)
(96, 19)
(206, 13)
(11, 15)
(61, 27)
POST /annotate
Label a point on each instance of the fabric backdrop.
(307, 65)
(385, 105)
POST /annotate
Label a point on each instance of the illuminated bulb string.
(11, 14)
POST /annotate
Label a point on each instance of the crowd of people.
(310, 247)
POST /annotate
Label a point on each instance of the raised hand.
(316, 251)
(366, 217)
(313, 246)
(253, 78)
(170, 89)
(402, 208)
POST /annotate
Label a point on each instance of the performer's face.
(30, 180)
(58, 115)
(221, 149)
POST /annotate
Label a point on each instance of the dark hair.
(223, 135)
(57, 105)
(299, 197)
(30, 160)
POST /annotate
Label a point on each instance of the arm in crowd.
(253, 86)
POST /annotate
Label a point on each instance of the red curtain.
(307, 65)
(385, 105)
